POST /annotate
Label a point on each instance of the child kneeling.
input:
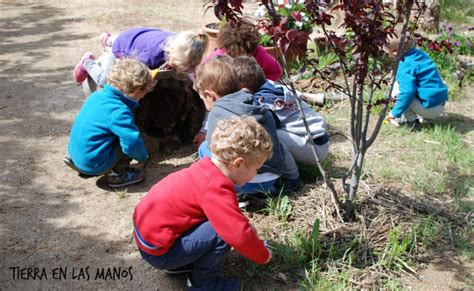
(422, 93)
(191, 219)
(104, 138)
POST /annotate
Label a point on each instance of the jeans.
(119, 165)
(200, 246)
(98, 70)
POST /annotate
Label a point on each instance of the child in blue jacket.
(104, 138)
(421, 92)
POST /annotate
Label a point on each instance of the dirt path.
(49, 217)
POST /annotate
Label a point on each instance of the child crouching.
(104, 138)
(191, 219)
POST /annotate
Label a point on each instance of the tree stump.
(172, 110)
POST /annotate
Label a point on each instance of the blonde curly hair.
(240, 136)
(186, 49)
(130, 75)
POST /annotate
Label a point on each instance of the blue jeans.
(200, 246)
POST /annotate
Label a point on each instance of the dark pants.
(120, 164)
(200, 246)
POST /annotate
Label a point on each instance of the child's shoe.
(80, 73)
(104, 37)
(243, 200)
(128, 177)
(290, 185)
(227, 284)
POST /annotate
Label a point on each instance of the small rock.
(282, 277)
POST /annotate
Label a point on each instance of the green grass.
(457, 11)
(280, 207)
(433, 160)
(121, 194)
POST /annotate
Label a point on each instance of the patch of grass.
(121, 194)
(397, 250)
(457, 11)
(433, 160)
(280, 207)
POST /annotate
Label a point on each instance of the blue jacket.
(104, 122)
(243, 103)
(417, 77)
(146, 44)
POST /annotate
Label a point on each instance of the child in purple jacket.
(153, 47)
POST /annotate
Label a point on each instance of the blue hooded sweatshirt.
(243, 103)
(417, 77)
(104, 122)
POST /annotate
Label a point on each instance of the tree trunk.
(430, 19)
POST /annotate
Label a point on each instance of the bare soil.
(58, 230)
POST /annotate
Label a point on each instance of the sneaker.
(228, 284)
(290, 185)
(104, 37)
(128, 177)
(183, 269)
(80, 73)
(243, 200)
(411, 125)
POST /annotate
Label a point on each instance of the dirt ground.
(58, 230)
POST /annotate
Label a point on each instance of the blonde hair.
(130, 75)
(186, 49)
(240, 136)
(218, 75)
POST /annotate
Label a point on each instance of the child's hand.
(199, 138)
(393, 120)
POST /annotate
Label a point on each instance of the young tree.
(368, 24)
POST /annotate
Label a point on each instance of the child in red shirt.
(191, 219)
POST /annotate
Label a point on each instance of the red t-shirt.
(188, 197)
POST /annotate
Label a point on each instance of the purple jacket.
(144, 43)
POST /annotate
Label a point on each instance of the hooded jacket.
(418, 77)
(243, 103)
(104, 122)
(283, 103)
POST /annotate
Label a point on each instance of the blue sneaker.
(128, 177)
(224, 284)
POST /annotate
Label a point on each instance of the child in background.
(243, 41)
(421, 91)
(189, 220)
(277, 98)
(104, 137)
(155, 48)
(218, 85)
